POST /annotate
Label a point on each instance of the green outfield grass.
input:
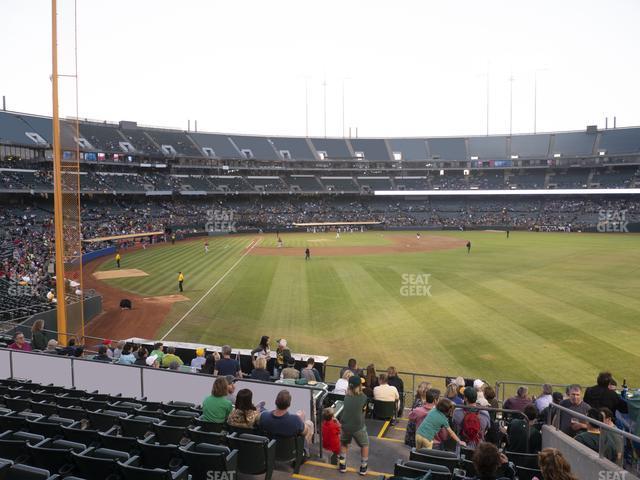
(539, 307)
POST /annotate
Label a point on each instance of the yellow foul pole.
(57, 183)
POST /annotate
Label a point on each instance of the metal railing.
(333, 371)
(622, 439)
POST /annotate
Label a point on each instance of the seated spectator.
(141, 355)
(385, 392)
(127, 357)
(610, 436)
(310, 372)
(554, 466)
(170, 357)
(245, 414)
(107, 343)
(199, 361)
(490, 397)
(569, 425)
(158, 351)
(290, 373)
(331, 434)
(231, 388)
(545, 398)
(556, 398)
(452, 393)
(343, 384)
(19, 343)
(102, 354)
(217, 407)
(118, 350)
(519, 401)
(174, 365)
(279, 423)
(601, 395)
(260, 371)
(436, 420)
(591, 438)
(487, 461)
(52, 347)
(370, 380)
(395, 381)
(418, 414)
(38, 336)
(226, 365)
(352, 365)
(209, 364)
(72, 349)
(421, 394)
(519, 429)
(152, 361)
(479, 386)
(283, 354)
(471, 425)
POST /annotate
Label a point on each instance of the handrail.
(554, 421)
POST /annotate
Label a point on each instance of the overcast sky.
(408, 67)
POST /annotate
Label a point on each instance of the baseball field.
(536, 306)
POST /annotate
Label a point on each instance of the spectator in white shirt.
(385, 392)
(343, 383)
(478, 385)
(544, 400)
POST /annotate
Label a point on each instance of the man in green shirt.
(591, 438)
(353, 426)
(158, 351)
(216, 407)
(437, 419)
(170, 357)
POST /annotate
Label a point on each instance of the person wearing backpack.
(470, 424)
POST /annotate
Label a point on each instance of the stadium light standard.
(511, 79)
(535, 96)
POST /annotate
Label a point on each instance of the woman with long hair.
(209, 364)
(554, 466)
(38, 336)
(245, 413)
(370, 380)
(216, 407)
(419, 401)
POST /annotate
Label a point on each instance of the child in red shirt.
(331, 434)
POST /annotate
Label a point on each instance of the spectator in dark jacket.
(260, 371)
(601, 395)
(141, 357)
(102, 354)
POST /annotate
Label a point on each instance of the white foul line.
(249, 248)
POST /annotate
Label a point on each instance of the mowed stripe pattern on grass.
(538, 307)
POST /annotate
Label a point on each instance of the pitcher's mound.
(167, 299)
(120, 273)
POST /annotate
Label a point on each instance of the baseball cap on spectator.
(200, 352)
(459, 381)
(151, 359)
(478, 384)
(354, 381)
(106, 342)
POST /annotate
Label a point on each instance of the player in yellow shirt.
(180, 280)
(118, 259)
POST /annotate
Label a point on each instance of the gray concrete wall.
(585, 463)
